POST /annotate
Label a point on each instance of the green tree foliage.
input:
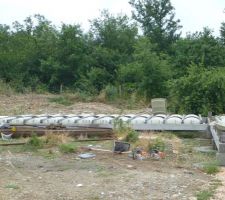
(112, 39)
(200, 48)
(157, 21)
(148, 73)
(222, 32)
(112, 59)
(202, 90)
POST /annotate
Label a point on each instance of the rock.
(130, 166)
(172, 176)
(79, 185)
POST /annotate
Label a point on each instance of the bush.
(157, 144)
(132, 136)
(5, 88)
(111, 93)
(35, 141)
(67, 148)
(202, 90)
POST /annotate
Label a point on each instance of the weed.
(68, 148)
(5, 88)
(35, 141)
(205, 195)
(132, 136)
(12, 186)
(211, 168)
(209, 193)
(111, 93)
(157, 144)
(122, 129)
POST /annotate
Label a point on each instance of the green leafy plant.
(205, 195)
(68, 148)
(12, 186)
(132, 136)
(211, 168)
(157, 144)
(35, 141)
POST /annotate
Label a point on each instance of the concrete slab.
(220, 158)
(205, 149)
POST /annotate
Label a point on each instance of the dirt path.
(220, 192)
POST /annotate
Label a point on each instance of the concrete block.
(222, 138)
(220, 158)
(221, 148)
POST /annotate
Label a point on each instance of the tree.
(157, 21)
(200, 48)
(72, 51)
(114, 32)
(202, 90)
(148, 73)
(222, 32)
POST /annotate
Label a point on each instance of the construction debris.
(140, 154)
(86, 155)
(6, 136)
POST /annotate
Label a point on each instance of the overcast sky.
(194, 14)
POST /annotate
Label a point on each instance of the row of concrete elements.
(71, 120)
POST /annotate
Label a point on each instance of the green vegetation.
(211, 168)
(33, 144)
(132, 136)
(112, 62)
(123, 131)
(35, 141)
(157, 144)
(207, 194)
(68, 148)
(12, 186)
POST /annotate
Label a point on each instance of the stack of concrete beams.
(136, 121)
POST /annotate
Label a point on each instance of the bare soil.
(108, 176)
(39, 104)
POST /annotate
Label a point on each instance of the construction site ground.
(49, 174)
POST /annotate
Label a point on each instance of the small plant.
(35, 141)
(33, 144)
(157, 144)
(12, 186)
(122, 130)
(205, 195)
(211, 168)
(68, 148)
(209, 193)
(132, 136)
